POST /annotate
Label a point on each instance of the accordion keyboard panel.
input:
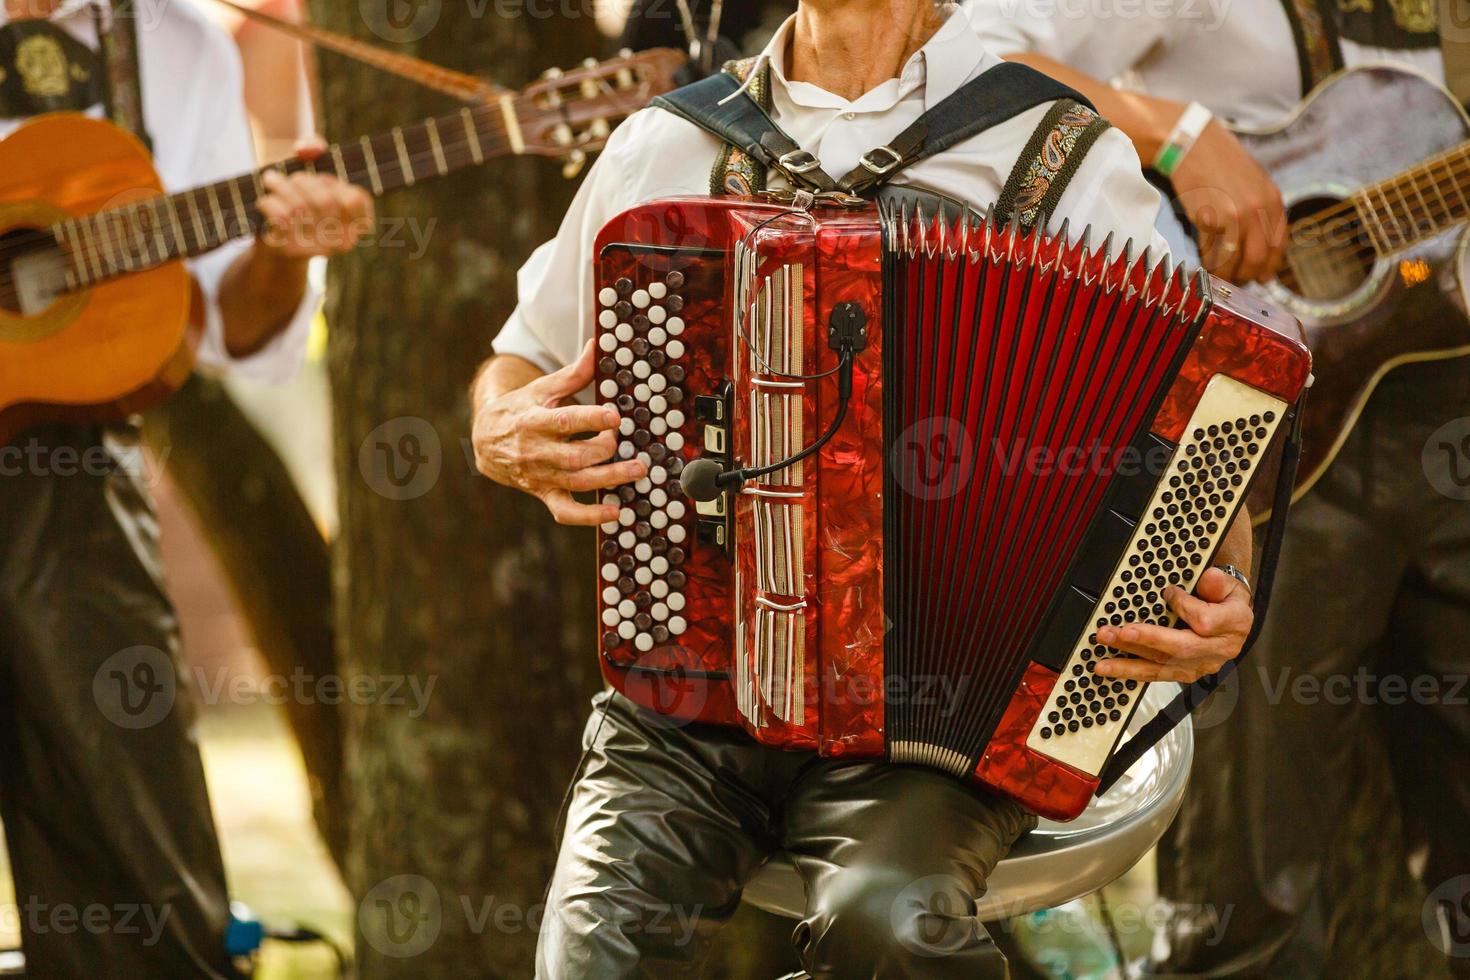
(640, 371)
(1182, 526)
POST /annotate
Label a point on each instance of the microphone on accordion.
(1019, 439)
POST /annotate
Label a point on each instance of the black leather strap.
(1003, 92)
(742, 122)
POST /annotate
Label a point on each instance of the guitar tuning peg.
(561, 135)
(552, 72)
(573, 164)
(589, 62)
(599, 129)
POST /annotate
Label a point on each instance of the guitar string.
(1430, 176)
(101, 232)
(115, 245)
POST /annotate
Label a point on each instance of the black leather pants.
(117, 868)
(1370, 622)
(666, 824)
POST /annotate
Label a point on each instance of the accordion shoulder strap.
(735, 107)
(722, 105)
(1049, 161)
(1002, 93)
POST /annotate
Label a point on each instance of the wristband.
(1191, 123)
(1238, 575)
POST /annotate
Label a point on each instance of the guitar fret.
(372, 165)
(181, 245)
(404, 164)
(473, 135)
(219, 213)
(1449, 209)
(76, 250)
(1371, 222)
(337, 163)
(241, 213)
(132, 220)
(1459, 191)
(194, 218)
(156, 221)
(119, 238)
(436, 146)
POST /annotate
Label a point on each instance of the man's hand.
(1219, 619)
(1234, 204)
(527, 439)
(312, 214)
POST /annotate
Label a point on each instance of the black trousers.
(667, 823)
(117, 868)
(1370, 622)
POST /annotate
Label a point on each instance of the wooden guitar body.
(95, 347)
(1359, 127)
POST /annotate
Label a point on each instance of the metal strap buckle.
(798, 161)
(879, 169)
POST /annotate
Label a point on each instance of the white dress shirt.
(1237, 57)
(656, 154)
(194, 109)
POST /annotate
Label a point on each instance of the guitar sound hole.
(32, 271)
(1329, 255)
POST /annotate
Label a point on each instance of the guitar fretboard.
(1418, 203)
(161, 228)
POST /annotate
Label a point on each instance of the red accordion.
(1020, 439)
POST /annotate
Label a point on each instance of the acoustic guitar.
(1374, 168)
(94, 296)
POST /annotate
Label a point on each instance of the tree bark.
(448, 579)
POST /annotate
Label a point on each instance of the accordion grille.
(1015, 372)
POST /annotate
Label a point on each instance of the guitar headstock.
(570, 113)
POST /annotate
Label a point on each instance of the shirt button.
(849, 116)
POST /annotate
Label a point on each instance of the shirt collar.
(946, 61)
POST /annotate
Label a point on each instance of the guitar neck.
(1419, 203)
(164, 228)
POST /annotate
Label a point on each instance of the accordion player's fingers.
(571, 420)
(1147, 670)
(556, 455)
(604, 477)
(567, 510)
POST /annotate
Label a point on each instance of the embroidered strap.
(734, 106)
(1048, 162)
(735, 171)
(1318, 53)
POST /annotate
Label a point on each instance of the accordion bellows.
(1041, 436)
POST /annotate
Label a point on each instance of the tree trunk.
(441, 577)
